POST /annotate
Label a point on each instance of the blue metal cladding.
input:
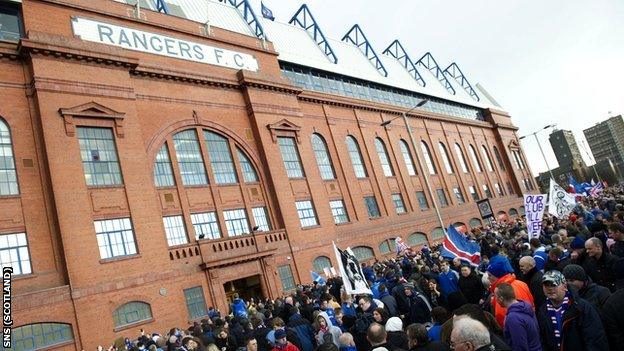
(357, 37)
(250, 17)
(397, 51)
(454, 71)
(161, 6)
(303, 18)
(430, 63)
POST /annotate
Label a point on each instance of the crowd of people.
(563, 290)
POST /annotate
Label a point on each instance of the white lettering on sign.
(157, 44)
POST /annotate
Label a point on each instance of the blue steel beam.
(357, 37)
(397, 51)
(430, 63)
(457, 74)
(250, 17)
(303, 18)
(161, 6)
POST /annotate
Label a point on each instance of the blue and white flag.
(266, 12)
(456, 245)
(317, 278)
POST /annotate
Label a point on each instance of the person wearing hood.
(594, 294)
(396, 337)
(521, 329)
(239, 307)
(470, 285)
(500, 271)
(325, 330)
(613, 309)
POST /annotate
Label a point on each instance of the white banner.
(157, 44)
(351, 272)
(560, 202)
(534, 211)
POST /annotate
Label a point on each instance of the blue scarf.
(556, 317)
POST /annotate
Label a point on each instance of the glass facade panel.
(175, 230)
(306, 213)
(290, 155)
(323, 160)
(383, 158)
(14, 253)
(8, 174)
(236, 222)
(338, 211)
(407, 156)
(163, 173)
(356, 158)
(220, 158)
(115, 237)
(205, 225)
(190, 161)
(99, 156)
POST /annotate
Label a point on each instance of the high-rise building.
(565, 148)
(606, 141)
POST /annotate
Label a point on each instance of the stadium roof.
(302, 42)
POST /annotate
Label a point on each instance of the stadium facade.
(154, 163)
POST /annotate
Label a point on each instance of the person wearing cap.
(566, 321)
(616, 232)
(613, 310)
(599, 265)
(586, 289)
(500, 271)
(281, 344)
(419, 307)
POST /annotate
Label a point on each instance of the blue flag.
(317, 278)
(266, 12)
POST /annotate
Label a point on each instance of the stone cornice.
(8, 51)
(183, 76)
(256, 80)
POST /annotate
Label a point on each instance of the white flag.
(534, 211)
(351, 272)
(560, 202)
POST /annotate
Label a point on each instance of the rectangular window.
(115, 237)
(509, 188)
(286, 276)
(190, 160)
(205, 225)
(371, 207)
(442, 197)
(99, 156)
(261, 218)
(290, 155)
(236, 222)
(220, 158)
(195, 302)
(486, 191)
(10, 22)
(306, 213)
(175, 230)
(14, 253)
(338, 211)
(473, 193)
(499, 190)
(422, 200)
(398, 203)
(459, 195)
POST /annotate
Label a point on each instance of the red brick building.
(152, 164)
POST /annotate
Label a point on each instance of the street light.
(420, 165)
(540, 145)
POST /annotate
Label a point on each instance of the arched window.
(189, 157)
(428, 159)
(131, 313)
(323, 160)
(475, 159)
(356, 157)
(407, 156)
(462, 159)
(445, 158)
(363, 253)
(474, 223)
(383, 157)
(487, 157)
(8, 175)
(39, 336)
(437, 234)
(387, 246)
(499, 159)
(220, 158)
(513, 212)
(163, 173)
(320, 263)
(249, 173)
(417, 238)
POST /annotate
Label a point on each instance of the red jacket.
(522, 293)
(289, 347)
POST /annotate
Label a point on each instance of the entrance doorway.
(245, 287)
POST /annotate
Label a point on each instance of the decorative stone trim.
(91, 110)
(284, 127)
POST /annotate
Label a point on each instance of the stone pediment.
(284, 127)
(91, 110)
(513, 145)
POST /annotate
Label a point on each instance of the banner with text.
(560, 202)
(534, 211)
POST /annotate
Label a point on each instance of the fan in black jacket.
(470, 285)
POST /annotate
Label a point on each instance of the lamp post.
(420, 165)
(540, 146)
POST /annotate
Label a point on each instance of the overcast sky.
(544, 61)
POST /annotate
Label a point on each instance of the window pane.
(371, 207)
(407, 156)
(286, 276)
(442, 197)
(290, 155)
(356, 158)
(175, 230)
(499, 160)
(383, 158)
(195, 302)
(428, 159)
(306, 213)
(487, 158)
(261, 218)
(163, 173)
(422, 200)
(320, 263)
(115, 237)
(473, 193)
(205, 225)
(459, 195)
(99, 156)
(445, 159)
(189, 157)
(486, 191)
(499, 190)
(14, 253)
(220, 158)
(249, 173)
(363, 253)
(475, 158)
(462, 159)
(132, 312)
(323, 159)
(338, 211)
(8, 175)
(236, 222)
(40, 335)
(398, 203)
(417, 239)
